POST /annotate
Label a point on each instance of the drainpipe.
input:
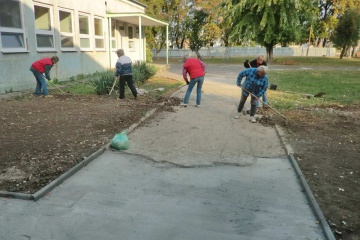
(167, 44)
(141, 52)
(109, 39)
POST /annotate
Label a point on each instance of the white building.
(84, 34)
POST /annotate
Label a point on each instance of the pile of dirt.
(43, 138)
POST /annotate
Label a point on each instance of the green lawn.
(300, 61)
(340, 87)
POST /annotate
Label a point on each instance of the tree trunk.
(269, 53)
(342, 52)
(352, 54)
(324, 43)
(197, 54)
(309, 41)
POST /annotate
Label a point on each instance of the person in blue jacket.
(258, 61)
(256, 83)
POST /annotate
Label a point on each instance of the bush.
(149, 56)
(102, 81)
(142, 72)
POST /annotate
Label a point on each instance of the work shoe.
(183, 105)
(253, 119)
(48, 96)
(237, 116)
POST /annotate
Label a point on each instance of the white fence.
(249, 51)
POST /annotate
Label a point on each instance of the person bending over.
(39, 68)
(255, 84)
(196, 69)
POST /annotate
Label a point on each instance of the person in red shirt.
(39, 68)
(196, 70)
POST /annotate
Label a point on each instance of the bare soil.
(326, 143)
(42, 138)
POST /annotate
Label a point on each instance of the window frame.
(15, 31)
(85, 36)
(131, 40)
(67, 34)
(51, 32)
(99, 37)
(113, 38)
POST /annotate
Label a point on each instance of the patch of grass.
(340, 87)
(160, 82)
(150, 85)
(279, 60)
(9, 91)
(79, 89)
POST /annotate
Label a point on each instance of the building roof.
(137, 19)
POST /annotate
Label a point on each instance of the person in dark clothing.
(124, 74)
(39, 68)
(258, 61)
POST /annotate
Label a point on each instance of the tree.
(347, 31)
(156, 36)
(196, 25)
(268, 22)
(203, 30)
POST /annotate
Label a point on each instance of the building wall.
(14, 66)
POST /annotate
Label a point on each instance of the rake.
(264, 102)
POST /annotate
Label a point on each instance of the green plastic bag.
(120, 141)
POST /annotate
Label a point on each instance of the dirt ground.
(42, 138)
(326, 143)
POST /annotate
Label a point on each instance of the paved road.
(196, 173)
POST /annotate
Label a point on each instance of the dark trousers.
(252, 103)
(129, 80)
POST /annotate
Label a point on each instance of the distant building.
(84, 34)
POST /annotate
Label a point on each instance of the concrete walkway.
(196, 173)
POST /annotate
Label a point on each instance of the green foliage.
(80, 76)
(55, 80)
(149, 56)
(102, 81)
(268, 22)
(159, 82)
(142, 72)
(347, 31)
(9, 91)
(196, 24)
(79, 89)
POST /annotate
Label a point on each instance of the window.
(113, 34)
(44, 28)
(11, 27)
(66, 30)
(99, 34)
(131, 38)
(84, 31)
